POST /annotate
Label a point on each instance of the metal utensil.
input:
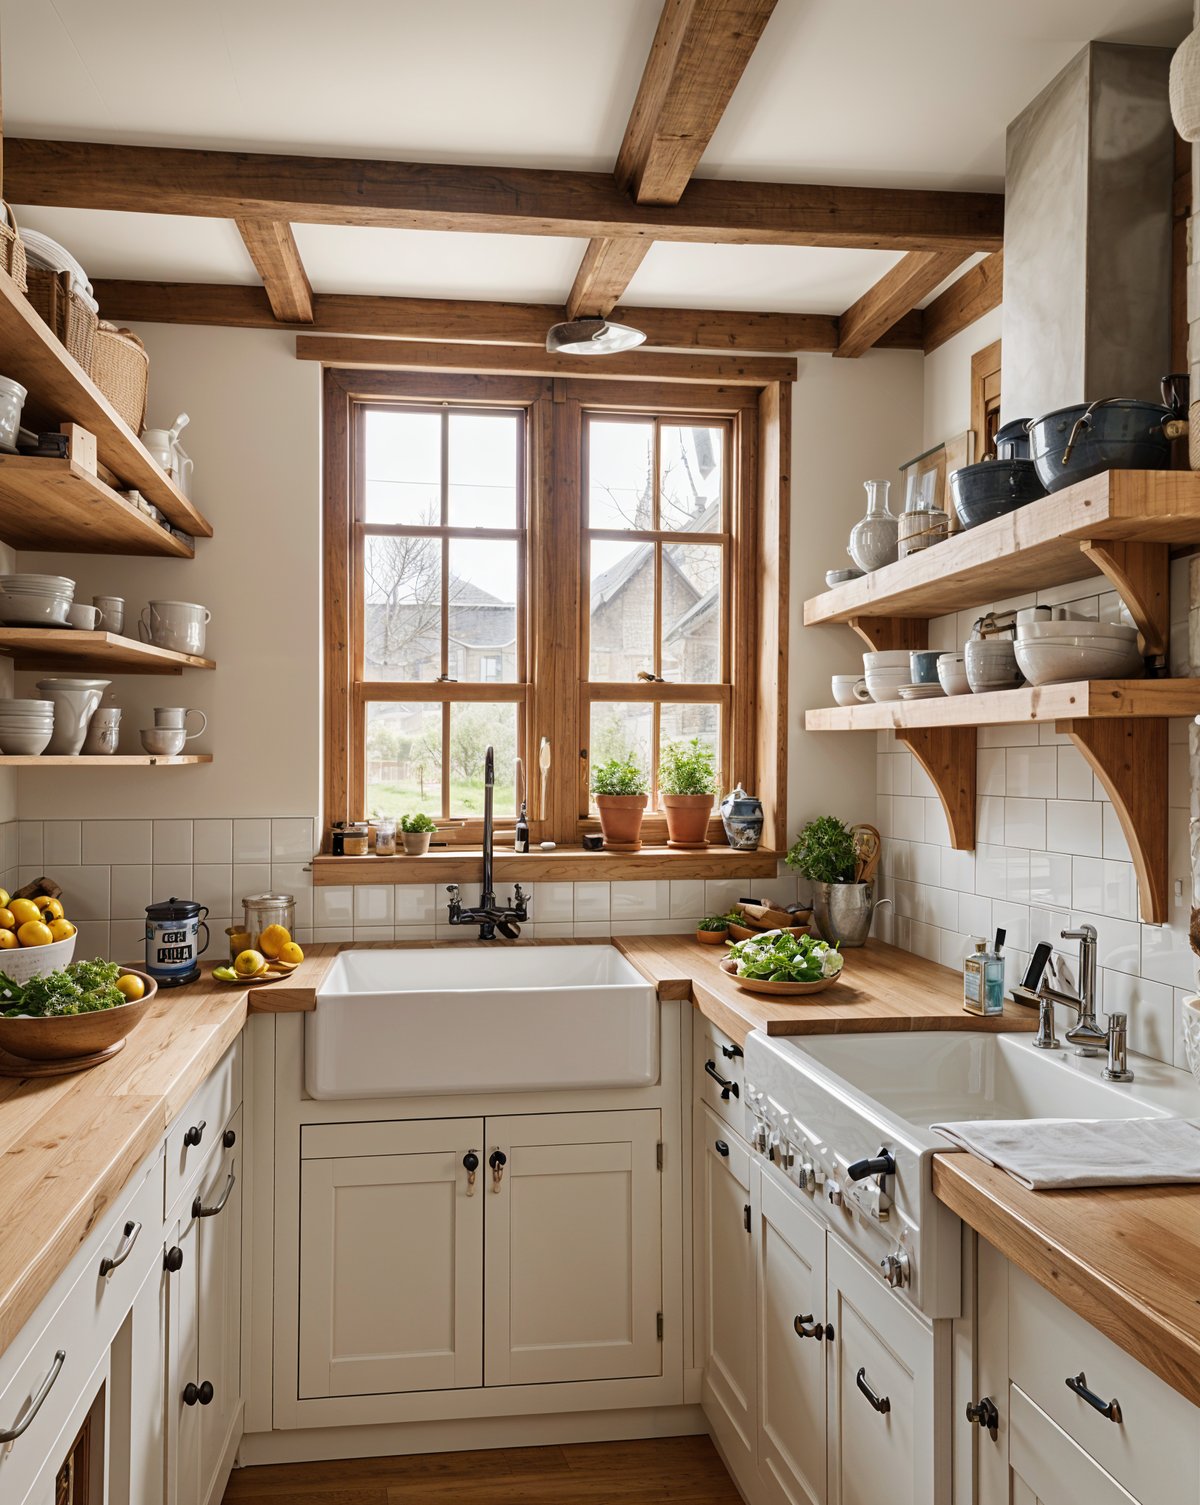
(544, 765)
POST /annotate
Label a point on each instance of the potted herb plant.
(687, 784)
(620, 788)
(415, 831)
(825, 853)
(714, 929)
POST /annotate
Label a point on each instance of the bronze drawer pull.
(107, 1265)
(200, 1211)
(882, 1403)
(1111, 1409)
(10, 1434)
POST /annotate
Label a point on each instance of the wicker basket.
(12, 249)
(121, 369)
(65, 311)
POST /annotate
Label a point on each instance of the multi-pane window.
(439, 573)
(656, 545)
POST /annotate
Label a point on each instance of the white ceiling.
(877, 92)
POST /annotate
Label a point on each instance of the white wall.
(255, 440)
(947, 379)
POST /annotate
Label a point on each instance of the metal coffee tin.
(173, 944)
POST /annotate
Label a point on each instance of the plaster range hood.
(1087, 234)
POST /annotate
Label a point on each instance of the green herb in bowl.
(779, 956)
(81, 988)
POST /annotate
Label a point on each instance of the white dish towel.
(1049, 1154)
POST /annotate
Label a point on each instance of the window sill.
(563, 865)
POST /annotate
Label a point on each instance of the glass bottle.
(873, 540)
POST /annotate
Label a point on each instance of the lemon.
(34, 933)
(132, 986)
(273, 939)
(24, 910)
(8, 940)
(291, 953)
(8, 920)
(5, 896)
(51, 910)
(60, 929)
(250, 964)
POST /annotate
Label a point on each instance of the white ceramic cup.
(179, 625)
(112, 612)
(850, 689)
(174, 718)
(104, 731)
(86, 618)
(163, 741)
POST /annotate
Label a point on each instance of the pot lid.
(174, 909)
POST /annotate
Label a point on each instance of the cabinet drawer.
(81, 1330)
(193, 1135)
(1046, 1465)
(1154, 1451)
(717, 1050)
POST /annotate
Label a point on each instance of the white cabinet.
(1048, 1468)
(889, 1400)
(791, 1348)
(727, 1294)
(573, 1278)
(391, 1257)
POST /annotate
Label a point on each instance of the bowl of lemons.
(36, 937)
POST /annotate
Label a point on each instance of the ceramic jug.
(742, 817)
(173, 947)
(874, 540)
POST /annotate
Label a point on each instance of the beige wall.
(947, 379)
(254, 437)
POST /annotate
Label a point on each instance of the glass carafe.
(873, 541)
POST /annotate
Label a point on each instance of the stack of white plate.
(26, 726)
(35, 600)
(1051, 653)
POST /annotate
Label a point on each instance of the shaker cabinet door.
(218, 1209)
(391, 1258)
(727, 1294)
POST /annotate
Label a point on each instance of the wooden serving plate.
(778, 989)
(744, 933)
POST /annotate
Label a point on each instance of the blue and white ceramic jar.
(742, 817)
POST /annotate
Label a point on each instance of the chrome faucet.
(488, 915)
(1086, 1035)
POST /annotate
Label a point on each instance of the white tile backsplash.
(412, 903)
(252, 841)
(212, 841)
(172, 842)
(62, 842)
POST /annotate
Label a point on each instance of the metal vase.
(842, 912)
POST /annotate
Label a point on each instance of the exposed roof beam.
(895, 294)
(453, 321)
(515, 200)
(975, 293)
(276, 258)
(699, 52)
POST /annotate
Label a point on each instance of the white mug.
(850, 689)
(86, 618)
(178, 625)
(104, 731)
(112, 612)
(174, 717)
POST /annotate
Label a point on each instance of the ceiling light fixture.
(591, 337)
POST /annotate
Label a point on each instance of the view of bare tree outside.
(440, 605)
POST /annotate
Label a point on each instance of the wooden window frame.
(556, 695)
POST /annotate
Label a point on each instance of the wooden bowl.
(744, 933)
(712, 937)
(69, 1036)
(777, 989)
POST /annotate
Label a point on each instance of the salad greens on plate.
(81, 988)
(777, 956)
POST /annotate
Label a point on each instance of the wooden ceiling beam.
(465, 320)
(896, 293)
(512, 200)
(975, 293)
(276, 258)
(699, 52)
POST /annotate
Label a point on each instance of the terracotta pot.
(416, 843)
(621, 820)
(687, 819)
(713, 937)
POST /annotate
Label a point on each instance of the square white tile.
(1025, 822)
(172, 880)
(333, 905)
(172, 842)
(85, 893)
(413, 904)
(109, 841)
(1031, 772)
(252, 841)
(62, 842)
(554, 903)
(29, 842)
(212, 841)
(127, 941)
(212, 885)
(373, 905)
(131, 889)
(592, 904)
(631, 901)
(1074, 826)
(292, 839)
(249, 878)
(295, 879)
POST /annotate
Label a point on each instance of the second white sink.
(480, 1019)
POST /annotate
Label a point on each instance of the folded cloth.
(1048, 1154)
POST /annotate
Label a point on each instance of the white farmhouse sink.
(480, 1019)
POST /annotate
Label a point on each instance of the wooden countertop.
(1126, 1259)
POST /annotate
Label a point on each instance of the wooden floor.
(672, 1469)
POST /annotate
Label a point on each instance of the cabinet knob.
(497, 1160)
(201, 1394)
(984, 1414)
(173, 1260)
(805, 1327)
(896, 1268)
(229, 1138)
(195, 1134)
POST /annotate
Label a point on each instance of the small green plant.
(715, 922)
(417, 823)
(824, 851)
(687, 768)
(619, 776)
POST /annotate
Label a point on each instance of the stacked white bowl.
(26, 727)
(886, 672)
(1067, 648)
(35, 600)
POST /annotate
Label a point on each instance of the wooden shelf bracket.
(1139, 572)
(948, 756)
(1130, 758)
(883, 633)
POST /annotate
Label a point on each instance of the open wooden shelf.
(61, 391)
(1120, 524)
(1094, 698)
(55, 648)
(113, 760)
(54, 504)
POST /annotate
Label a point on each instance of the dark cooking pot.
(1012, 440)
(1115, 433)
(992, 488)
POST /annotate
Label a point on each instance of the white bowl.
(846, 688)
(952, 674)
(992, 665)
(23, 963)
(34, 611)
(1080, 628)
(24, 742)
(889, 658)
(881, 690)
(1045, 663)
(163, 741)
(16, 703)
